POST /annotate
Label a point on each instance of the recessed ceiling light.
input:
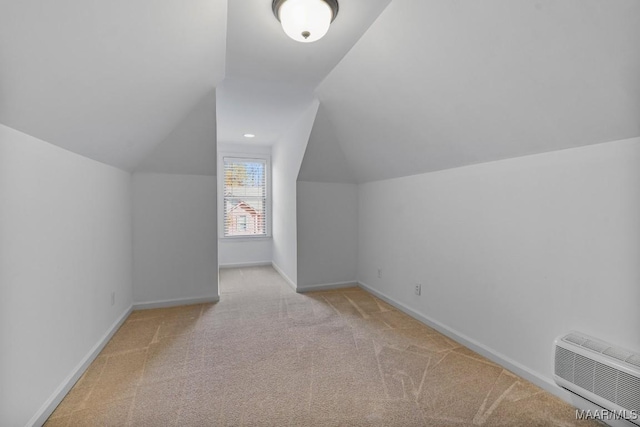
(305, 20)
(249, 135)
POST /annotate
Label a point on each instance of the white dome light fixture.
(305, 20)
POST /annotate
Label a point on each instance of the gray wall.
(512, 254)
(327, 203)
(175, 238)
(327, 233)
(286, 158)
(65, 246)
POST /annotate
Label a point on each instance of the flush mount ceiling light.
(305, 20)
(249, 135)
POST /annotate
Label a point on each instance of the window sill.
(244, 238)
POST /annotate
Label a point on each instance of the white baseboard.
(502, 360)
(174, 302)
(246, 264)
(284, 276)
(52, 403)
(485, 351)
(326, 286)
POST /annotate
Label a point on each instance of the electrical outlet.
(379, 273)
(113, 298)
(418, 289)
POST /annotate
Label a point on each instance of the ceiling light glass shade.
(305, 20)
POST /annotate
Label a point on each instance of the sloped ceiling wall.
(270, 78)
(324, 160)
(438, 84)
(432, 84)
(257, 48)
(190, 149)
(107, 79)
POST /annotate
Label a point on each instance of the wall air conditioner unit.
(607, 375)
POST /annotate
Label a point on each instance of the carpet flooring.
(267, 356)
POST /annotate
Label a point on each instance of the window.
(245, 197)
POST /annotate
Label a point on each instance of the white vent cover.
(604, 374)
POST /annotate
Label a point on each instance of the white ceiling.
(436, 84)
(263, 109)
(406, 87)
(107, 79)
(258, 49)
(269, 77)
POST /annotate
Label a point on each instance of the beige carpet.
(266, 356)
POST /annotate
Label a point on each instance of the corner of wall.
(286, 159)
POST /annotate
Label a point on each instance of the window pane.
(244, 197)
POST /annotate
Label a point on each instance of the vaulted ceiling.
(107, 79)
(444, 83)
(406, 86)
(270, 79)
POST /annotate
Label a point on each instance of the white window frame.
(220, 178)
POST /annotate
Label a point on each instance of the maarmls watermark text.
(607, 415)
